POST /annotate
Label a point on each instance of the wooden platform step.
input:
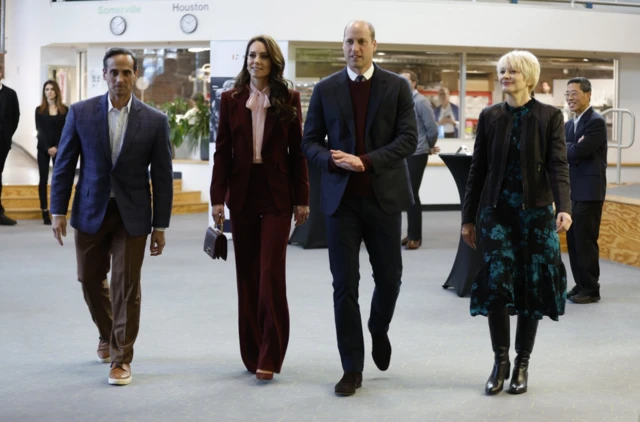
(21, 202)
(18, 191)
(190, 208)
(36, 214)
(26, 213)
(34, 201)
(619, 239)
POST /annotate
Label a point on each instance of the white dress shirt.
(576, 120)
(118, 120)
(367, 75)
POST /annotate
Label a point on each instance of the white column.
(96, 84)
(22, 69)
(462, 117)
(628, 97)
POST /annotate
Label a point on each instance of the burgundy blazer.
(284, 162)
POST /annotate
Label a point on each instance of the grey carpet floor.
(629, 191)
(187, 365)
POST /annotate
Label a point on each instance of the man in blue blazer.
(118, 139)
(586, 136)
(367, 114)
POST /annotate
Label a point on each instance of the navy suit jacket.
(587, 158)
(146, 143)
(390, 136)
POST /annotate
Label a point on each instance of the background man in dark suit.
(9, 118)
(118, 138)
(368, 116)
(586, 136)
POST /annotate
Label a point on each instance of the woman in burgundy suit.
(260, 172)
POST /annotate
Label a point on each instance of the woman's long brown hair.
(278, 85)
(44, 106)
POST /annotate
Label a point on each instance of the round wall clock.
(188, 23)
(118, 25)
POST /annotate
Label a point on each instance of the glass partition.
(439, 79)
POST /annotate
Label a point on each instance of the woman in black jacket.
(519, 169)
(50, 118)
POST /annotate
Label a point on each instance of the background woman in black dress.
(50, 118)
(519, 170)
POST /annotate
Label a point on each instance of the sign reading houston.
(195, 7)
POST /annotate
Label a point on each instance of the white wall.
(85, 25)
(23, 71)
(480, 24)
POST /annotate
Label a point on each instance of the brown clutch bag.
(215, 242)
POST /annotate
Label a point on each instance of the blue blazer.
(456, 115)
(587, 158)
(146, 144)
(390, 136)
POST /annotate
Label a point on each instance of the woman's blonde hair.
(525, 63)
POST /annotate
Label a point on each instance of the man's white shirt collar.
(367, 75)
(111, 107)
(577, 118)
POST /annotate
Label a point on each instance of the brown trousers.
(116, 313)
(260, 236)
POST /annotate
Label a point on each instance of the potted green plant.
(198, 129)
(178, 127)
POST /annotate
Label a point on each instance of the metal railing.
(588, 3)
(616, 142)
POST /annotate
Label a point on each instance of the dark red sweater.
(359, 184)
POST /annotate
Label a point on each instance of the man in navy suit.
(118, 138)
(367, 114)
(586, 136)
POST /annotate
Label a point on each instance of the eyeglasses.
(572, 94)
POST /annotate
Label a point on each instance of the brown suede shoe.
(404, 241)
(103, 352)
(120, 374)
(413, 245)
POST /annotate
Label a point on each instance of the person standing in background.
(417, 163)
(586, 136)
(50, 118)
(447, 114)
(9, 118)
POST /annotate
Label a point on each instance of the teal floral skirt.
(523, 269)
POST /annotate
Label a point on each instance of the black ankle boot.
(525, 338)
(499, 330)
(46, 217)
(4, 220)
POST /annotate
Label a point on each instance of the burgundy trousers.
(260, 236)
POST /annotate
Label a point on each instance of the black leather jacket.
(543, 156)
